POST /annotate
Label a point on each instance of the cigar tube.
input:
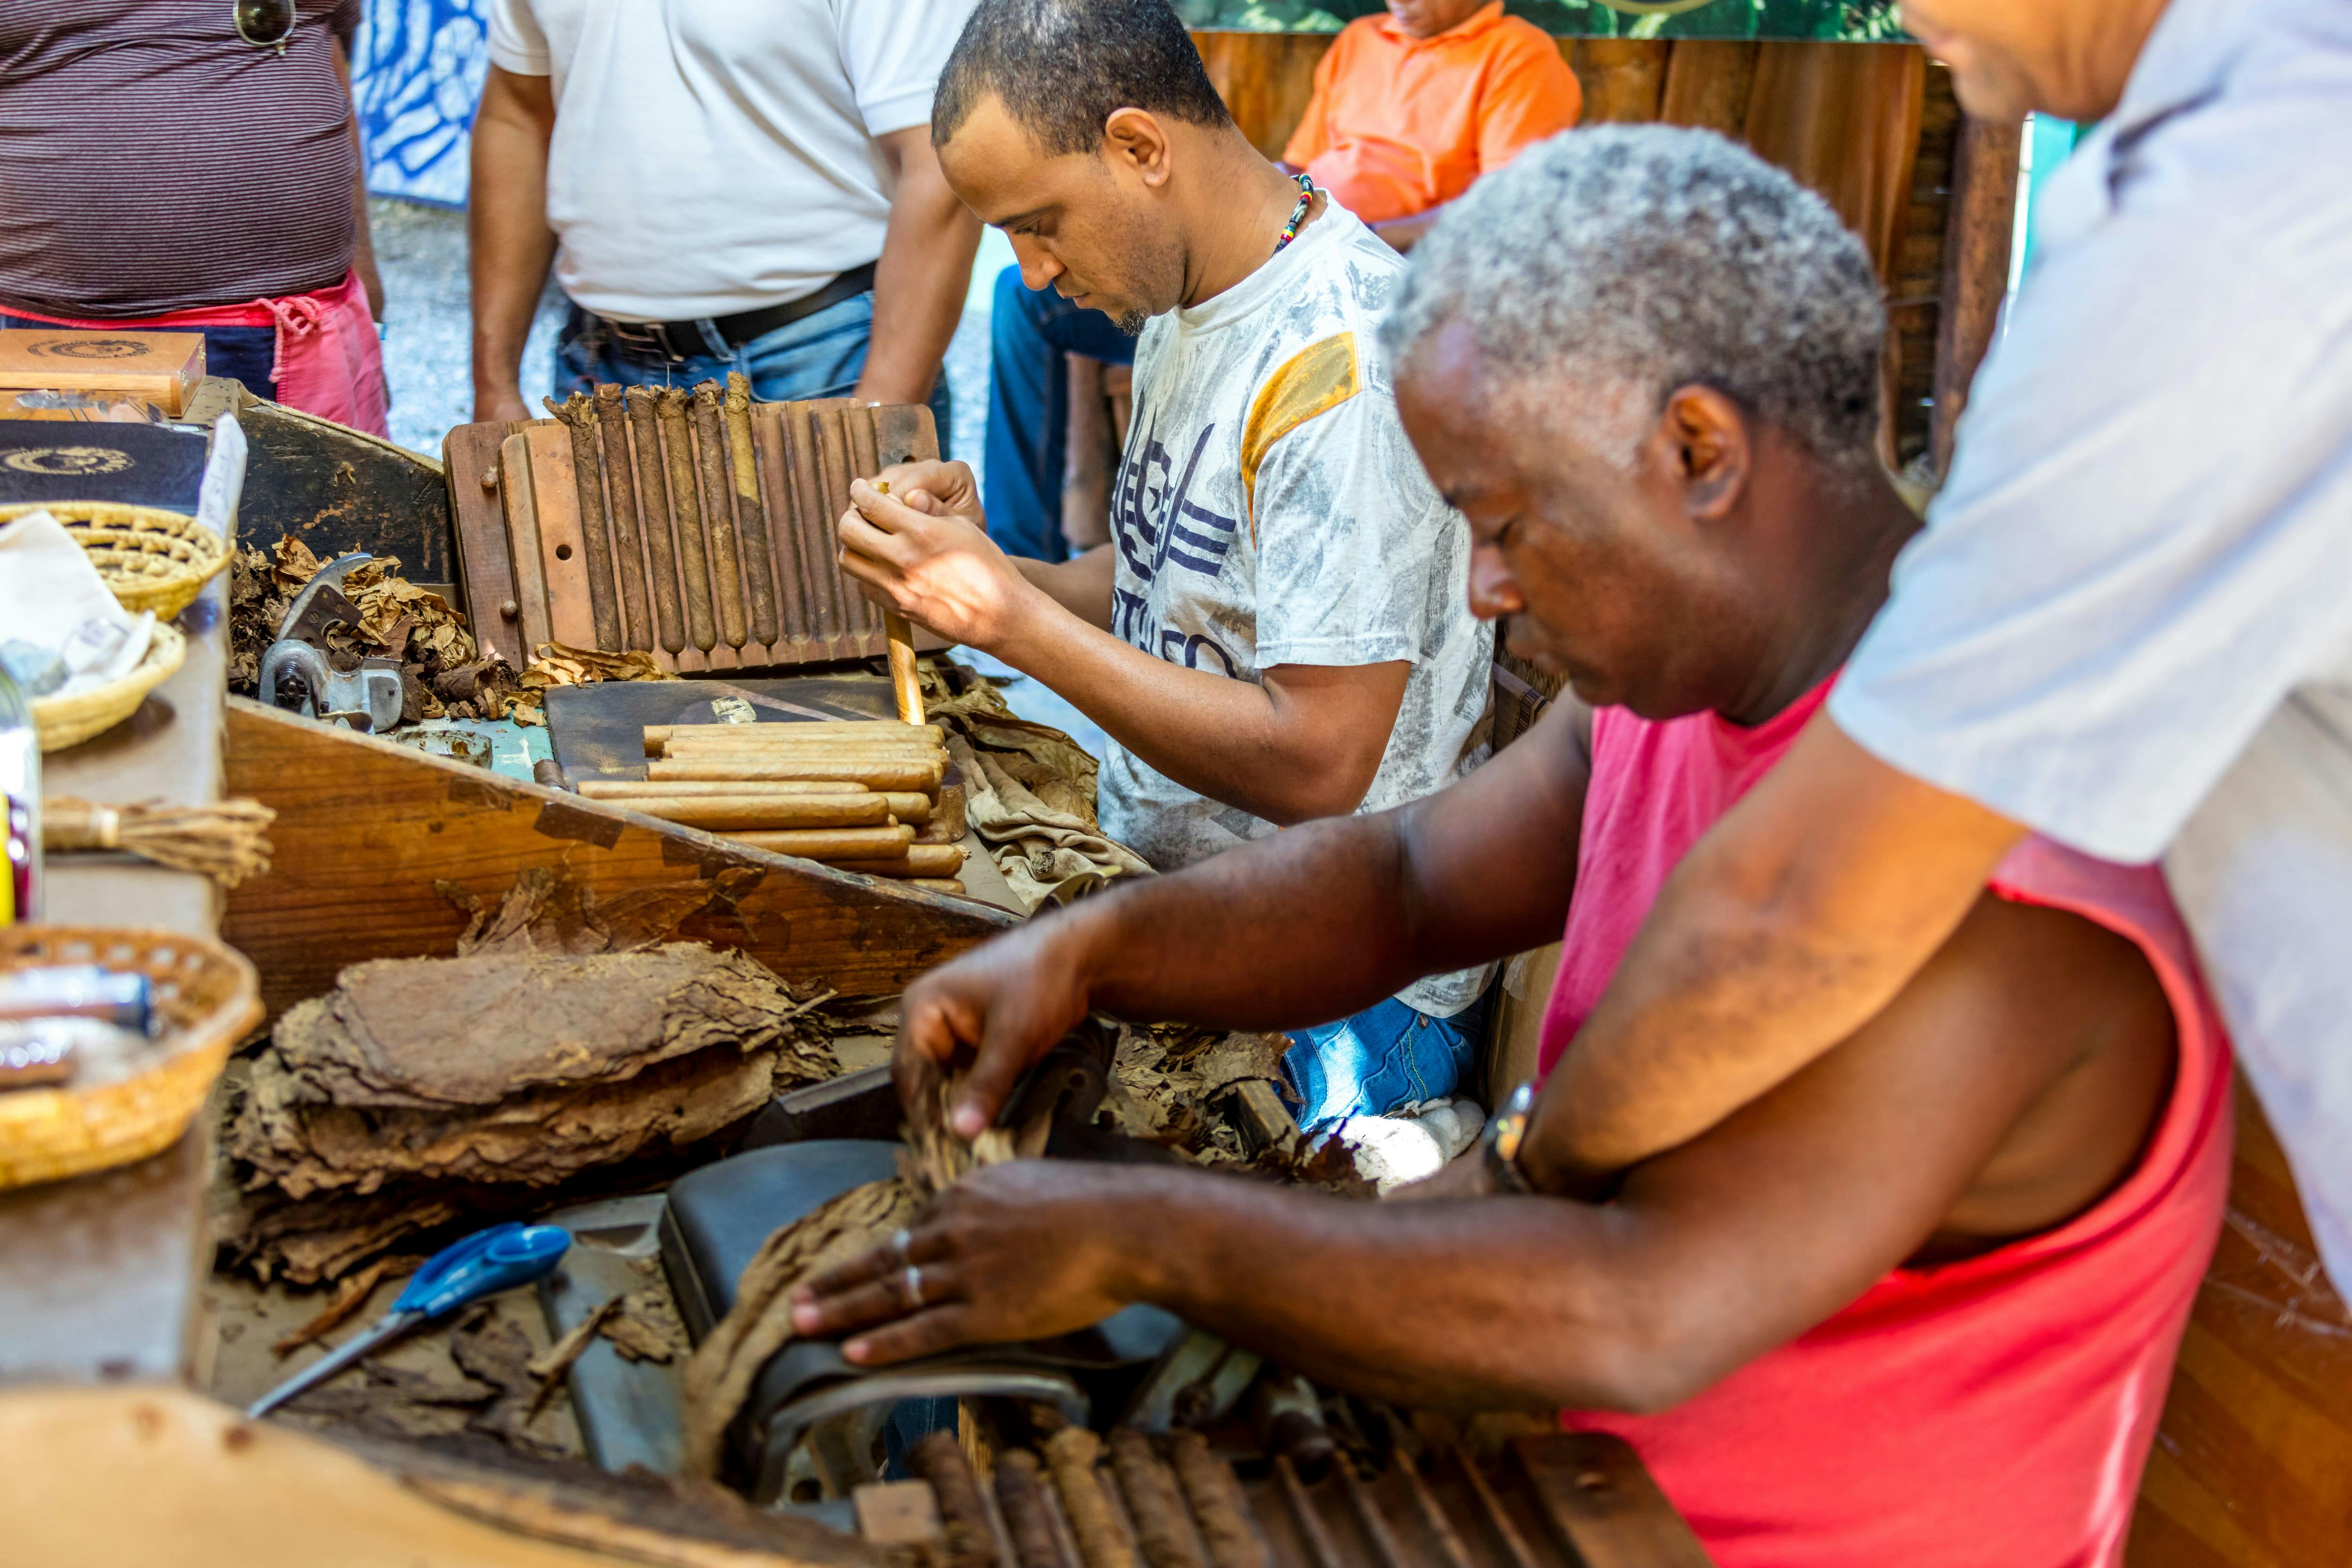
(733, 813)
(653, 500)
(628, 789)
(919, 860)
(628, 553)
(873, 773)
(935, 884)
(751, 517)
(686, 507)
(578, 414)
(655, 734)
(832, 843)
(718, 515)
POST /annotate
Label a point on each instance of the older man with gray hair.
(1916, 1305)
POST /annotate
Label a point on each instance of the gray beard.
(1131, 323)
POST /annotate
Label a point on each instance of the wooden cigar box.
(161, 368)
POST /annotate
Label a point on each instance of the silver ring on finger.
(914, 1278)
(902, 1242)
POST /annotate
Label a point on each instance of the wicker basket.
(208, 997)
(69, 721)
(151, 559)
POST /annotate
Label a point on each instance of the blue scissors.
(484, 1264)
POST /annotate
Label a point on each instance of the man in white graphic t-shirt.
(1280, 626)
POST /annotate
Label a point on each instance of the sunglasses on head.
(264, 24)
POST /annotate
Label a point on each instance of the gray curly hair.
(1647, 257)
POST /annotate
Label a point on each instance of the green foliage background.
(1855, 21)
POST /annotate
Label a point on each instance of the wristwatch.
(1506, 1131)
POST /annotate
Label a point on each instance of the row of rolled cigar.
(863, 795)
(1183, 1511)
(684, 489)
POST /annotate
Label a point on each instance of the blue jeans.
(244, 353)
(817, 356)
(1029, 334)
(1386, 1057)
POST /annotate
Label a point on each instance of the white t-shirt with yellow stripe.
(1270, 510)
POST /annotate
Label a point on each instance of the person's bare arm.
(924, 271)
(1304, 742)
(1404, 233)
(1081, 584)
(362, 242)
(1799, 915)
(1709, 1257)
(1310, 924)
(509, 245)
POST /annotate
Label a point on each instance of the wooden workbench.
(99, 1274)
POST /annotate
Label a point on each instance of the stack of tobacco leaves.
(516, 1067)
(561, 1055)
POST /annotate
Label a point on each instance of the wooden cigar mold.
(693, 524)
(1570, 1499)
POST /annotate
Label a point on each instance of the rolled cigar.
(624, 789)
(833, 843)
(751, 518)
(725, 737)
(653, 504)
(874, 773)
(1217, 1504)
(936, 884)
(733, 813)
(919, 860)
(679, 746)
(718, 515)
(578, 414)
(629, 552)
(1071, 1453)
(1028, 1511)
(909, 806)
(1153, 1502)
(656, 733)
(686, 507)
(940, 1460)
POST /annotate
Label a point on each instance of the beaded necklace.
(1297, 214)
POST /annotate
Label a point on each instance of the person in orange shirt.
(1411, 107)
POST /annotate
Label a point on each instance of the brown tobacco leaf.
(517, 1066)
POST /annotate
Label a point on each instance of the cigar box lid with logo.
(136, 465)
(161, 368)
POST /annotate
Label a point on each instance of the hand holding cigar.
(921, 548)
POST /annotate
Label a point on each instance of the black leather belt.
(684, 340)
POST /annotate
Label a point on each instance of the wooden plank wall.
(1870, 126)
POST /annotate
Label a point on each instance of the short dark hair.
(1062, 66)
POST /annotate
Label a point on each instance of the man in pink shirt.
(1916, 1305)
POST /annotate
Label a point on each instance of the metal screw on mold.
(490, 478)
(509, 609)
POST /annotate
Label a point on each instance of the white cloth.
(712, 156)
(1336, 552)
(2128, 624)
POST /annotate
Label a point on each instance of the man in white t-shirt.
(719, 188)
(1280, 628)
